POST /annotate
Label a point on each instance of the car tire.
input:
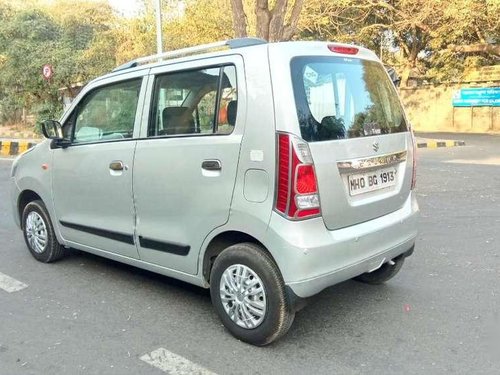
(39, 233)
(383, 274)
(256, 311)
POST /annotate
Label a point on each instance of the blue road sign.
(477, 97)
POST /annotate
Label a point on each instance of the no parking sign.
(47, 71)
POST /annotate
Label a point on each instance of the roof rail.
(231, 43)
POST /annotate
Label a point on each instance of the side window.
(107, 113)
(228, 101)
(195, 102)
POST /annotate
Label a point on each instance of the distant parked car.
(265, 172)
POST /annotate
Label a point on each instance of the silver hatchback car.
(265, 172)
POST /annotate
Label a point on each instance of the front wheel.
(39, 233)
(248, 294)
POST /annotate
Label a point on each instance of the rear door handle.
(211, 165)
(117, 165)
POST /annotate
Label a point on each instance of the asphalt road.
(88, 315)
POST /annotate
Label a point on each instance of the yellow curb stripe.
(5, 149)
(12, 148)
(432, 143)
(23, 146)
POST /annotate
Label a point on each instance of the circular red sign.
(47, 71)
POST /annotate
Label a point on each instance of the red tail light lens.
(297, 192)
(283, 173)
(305, 182)
(345, 50)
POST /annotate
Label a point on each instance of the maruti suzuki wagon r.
(266, 172)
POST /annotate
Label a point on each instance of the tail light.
(414, 166)
(297, 190)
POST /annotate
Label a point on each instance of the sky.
(128, 8)
(131, 8)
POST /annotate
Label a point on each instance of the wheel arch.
(222, 241)
(24, 198)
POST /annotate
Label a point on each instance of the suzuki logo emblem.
(375, 146)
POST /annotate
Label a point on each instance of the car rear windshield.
(338, 98)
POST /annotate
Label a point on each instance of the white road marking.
(486, 161)
(10, 285)
(173, 364)
(9, 159)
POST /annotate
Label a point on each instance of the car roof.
(243, 46)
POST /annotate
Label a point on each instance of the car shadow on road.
(138, 274)
(342, 311)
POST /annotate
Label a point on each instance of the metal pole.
(381, 46)
(159, 42)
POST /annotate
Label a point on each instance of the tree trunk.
(239, 19)
(493, 49)
(263, 18)
(270, 24)
(290, 30)
(405, 75)
(277, 22)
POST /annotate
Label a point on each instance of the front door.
(92, 178)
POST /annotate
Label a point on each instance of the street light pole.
(159, 42)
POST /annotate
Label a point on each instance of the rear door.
(185, 165)
(350, 114)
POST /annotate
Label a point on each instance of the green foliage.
(77, 41)
(204, 21)
(46, 110)
(414, 35)
(84, 39)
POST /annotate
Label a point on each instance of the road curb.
(433, 143)
(12, 148)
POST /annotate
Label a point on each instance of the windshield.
(338, 98)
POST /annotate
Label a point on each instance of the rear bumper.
(312, 258)
(306, 288)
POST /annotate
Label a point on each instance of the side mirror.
(52, 129)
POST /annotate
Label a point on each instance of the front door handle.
(211, 165)
(117, 165)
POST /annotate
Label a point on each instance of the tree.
(403, 25)
(440, 38)
(77, 42)
(468, 37)
(273, 23)
(203, 21)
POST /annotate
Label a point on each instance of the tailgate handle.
(211, 165)
(373, 162)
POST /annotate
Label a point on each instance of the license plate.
(370, 181)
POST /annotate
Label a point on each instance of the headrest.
(232, 108)
(332, 128)
(177, 120)
(170, 112)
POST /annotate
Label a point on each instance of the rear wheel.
(384, 273)
(248, 294)
(39, 233)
